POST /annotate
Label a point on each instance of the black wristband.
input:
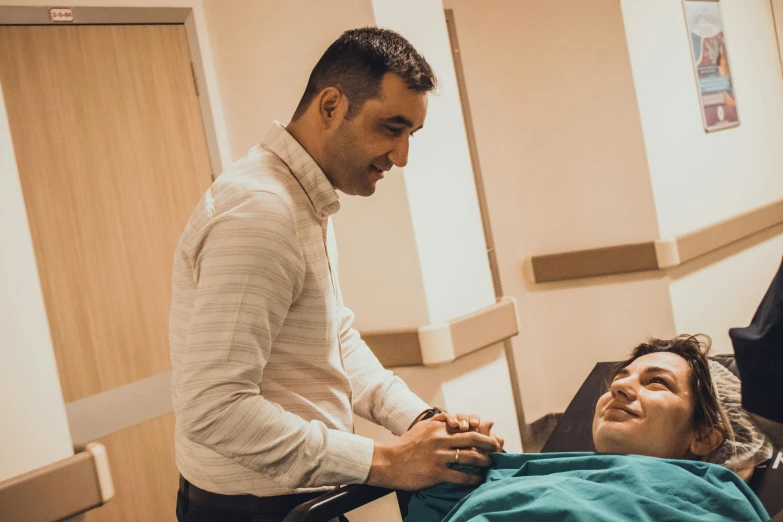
(426, 414)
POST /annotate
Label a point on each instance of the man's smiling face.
(362, 148)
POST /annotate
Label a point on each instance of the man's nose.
(399, 155)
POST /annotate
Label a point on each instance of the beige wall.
(589, 133)
(394, 247)
(259, 85)
(264, 52)
(440, 187)
(700, 178)
(563, 160)
(723, 289)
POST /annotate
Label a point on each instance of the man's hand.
(420, 458)
(464, 422)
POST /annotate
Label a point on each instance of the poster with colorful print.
(711, 64)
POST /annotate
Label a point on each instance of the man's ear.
(706, 441)
(330, 102)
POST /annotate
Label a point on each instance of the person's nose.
(625, 387)
(399, 154)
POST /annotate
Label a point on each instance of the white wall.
(562, 155)
(33, 424)
(700, 178)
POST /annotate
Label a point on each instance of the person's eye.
(660, 380)
(394, 131)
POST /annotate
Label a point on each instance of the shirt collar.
(313, 180)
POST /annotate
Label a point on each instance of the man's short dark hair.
(356, 63)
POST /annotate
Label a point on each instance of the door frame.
(39, 15)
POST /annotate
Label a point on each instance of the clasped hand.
(422, 456)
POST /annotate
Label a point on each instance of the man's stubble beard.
(339, 149)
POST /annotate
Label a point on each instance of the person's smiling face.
(363, 147)
(648, 409)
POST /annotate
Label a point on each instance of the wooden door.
(112, 159)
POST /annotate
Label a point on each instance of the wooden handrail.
(59, 490)
(659, 254)
(441, 343)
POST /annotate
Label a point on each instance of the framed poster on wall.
(711, 64)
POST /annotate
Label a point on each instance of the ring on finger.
(456, 457)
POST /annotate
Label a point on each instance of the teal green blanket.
(590, 486)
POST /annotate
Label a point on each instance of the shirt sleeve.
(378, 394)
(249, 270)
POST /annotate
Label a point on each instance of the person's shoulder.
(685, 467)
(259, 175)
(254, 192)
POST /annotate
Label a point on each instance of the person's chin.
(366, 190)
(612, 437)
(363, 191)
(610, 445)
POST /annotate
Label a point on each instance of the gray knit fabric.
(749, 447)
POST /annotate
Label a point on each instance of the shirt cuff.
(348, 458)
(401, 413)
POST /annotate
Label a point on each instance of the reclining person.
(672, 444)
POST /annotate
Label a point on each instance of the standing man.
(267, 368)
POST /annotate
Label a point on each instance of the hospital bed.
(572, 433)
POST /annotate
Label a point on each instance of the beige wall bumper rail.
(60, 490)
(652, 255)
(93, 417)
(441, 343)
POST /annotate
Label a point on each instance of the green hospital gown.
(592, 487)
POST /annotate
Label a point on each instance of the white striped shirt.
(267, 368)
